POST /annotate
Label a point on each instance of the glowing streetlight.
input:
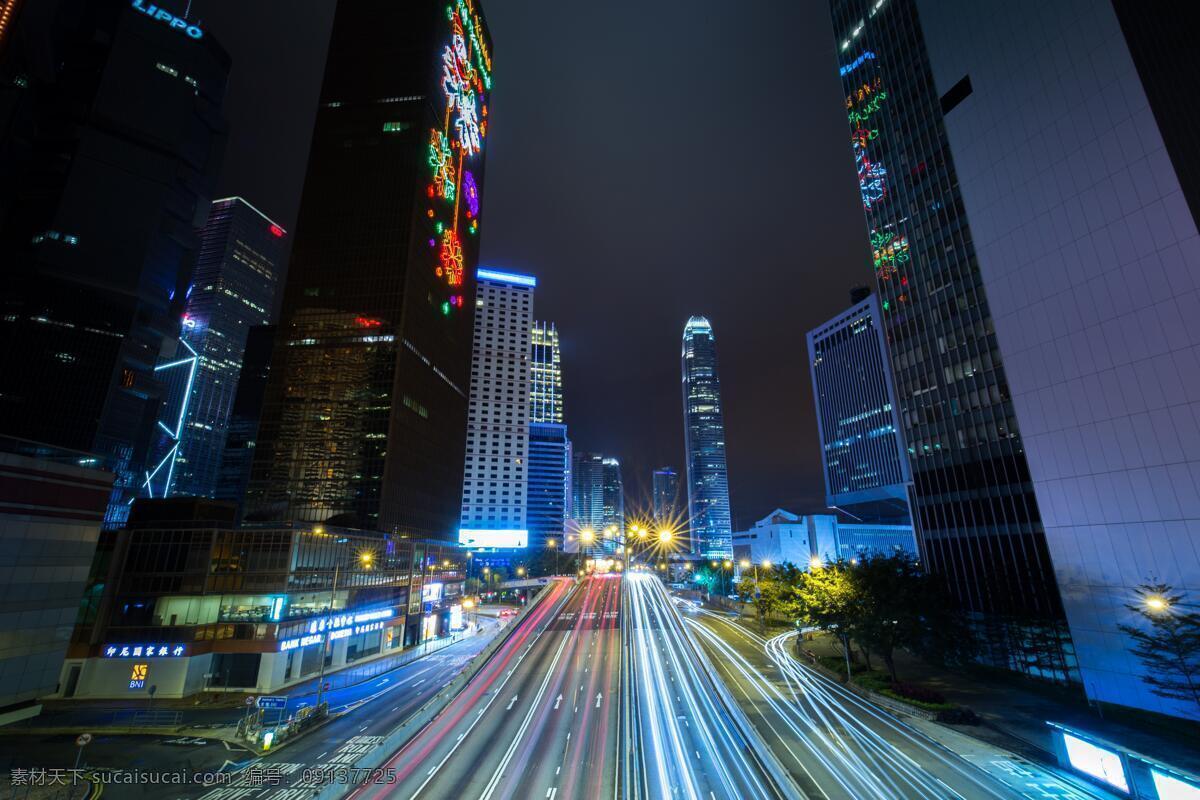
(744, 563)
(728, 564)
(520, 571)
(665, 536)
(587, 536)
(1157, 603)
(766, 564)
(815, 562)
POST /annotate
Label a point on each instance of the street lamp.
(665, 536)
(814, 562)
(366, 558)
(553, 545)
(1157, 603)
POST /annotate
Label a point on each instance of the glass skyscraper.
(111, 139)
(545, 375)
(548, 483)
(233, 288)
(587, 488)
(614, 495)
(704, 437)
(364, 419)
(978, 523)
(664, 490)
(865, 466)
(1079, 175)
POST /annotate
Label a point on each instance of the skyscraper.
(233, 288)
(242, 432)
(664, 489)
(364, 420)
(497, 454)
(111, 137)
(614, 495)
(545, 375)
(862, 453)
(1081, 184)
(978, 522)
(548, 483)
(587, 490)
(704, 438)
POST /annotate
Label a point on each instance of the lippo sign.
(162, 15)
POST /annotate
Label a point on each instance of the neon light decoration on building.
(466, 81)
(178, 376)
(889, 248)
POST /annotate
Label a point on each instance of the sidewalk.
(1015, 712)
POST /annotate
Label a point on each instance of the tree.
(1169, 648)
(767, 594)
(826, 598)
(900, 606)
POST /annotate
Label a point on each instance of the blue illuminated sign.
(339, 627)
(1172, 788)
(162, 15)
(855, 64)
(157, 650)
(506, 277)
(1099, 762)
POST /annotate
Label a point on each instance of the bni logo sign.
(162, 15)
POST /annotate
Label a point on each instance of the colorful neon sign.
(156, 650)
(453, 191)
(162, 15)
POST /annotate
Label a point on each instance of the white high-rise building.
(495, 477)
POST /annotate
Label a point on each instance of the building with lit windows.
(241, 434)
(233, 289)
(495, 479)
(549, 483)
(664, 489)
(782, 537)
(704, 438)
(203, 605)
(978, 521)
(545, 375)
(862, 453)
(587, 490)
(111, 139)
(613, 492)
(1082, 206)
(365, 415)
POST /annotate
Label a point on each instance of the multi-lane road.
(538, 720)
(838, 746)
(691, 745)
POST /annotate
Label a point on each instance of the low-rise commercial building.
(782, 537)
(181, 602)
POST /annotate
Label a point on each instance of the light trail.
(693, 748)
(845, 745)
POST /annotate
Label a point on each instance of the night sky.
(646, 161)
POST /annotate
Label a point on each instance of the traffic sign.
(250, 700)
(83, 739)
(268, 701)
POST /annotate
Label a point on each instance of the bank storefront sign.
(339, 626)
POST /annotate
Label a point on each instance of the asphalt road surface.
(838, 746)
(538, 721)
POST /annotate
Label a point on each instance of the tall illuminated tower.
(233, 289)
(664, 490)
(978, 522)
(364, 419)
(496, 475)
(704, 438)
(545, 375)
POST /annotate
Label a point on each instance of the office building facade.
(545, 375)
(862, 452)
(1084, 225)
(664, 489)
(111, 138)
(549, 482)
(51, 508)
(364, 420)
(241, 434)
(495, 481)
(709, 517)
(978, 521)
(613, 492)
(587, 490)
(232, 290)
